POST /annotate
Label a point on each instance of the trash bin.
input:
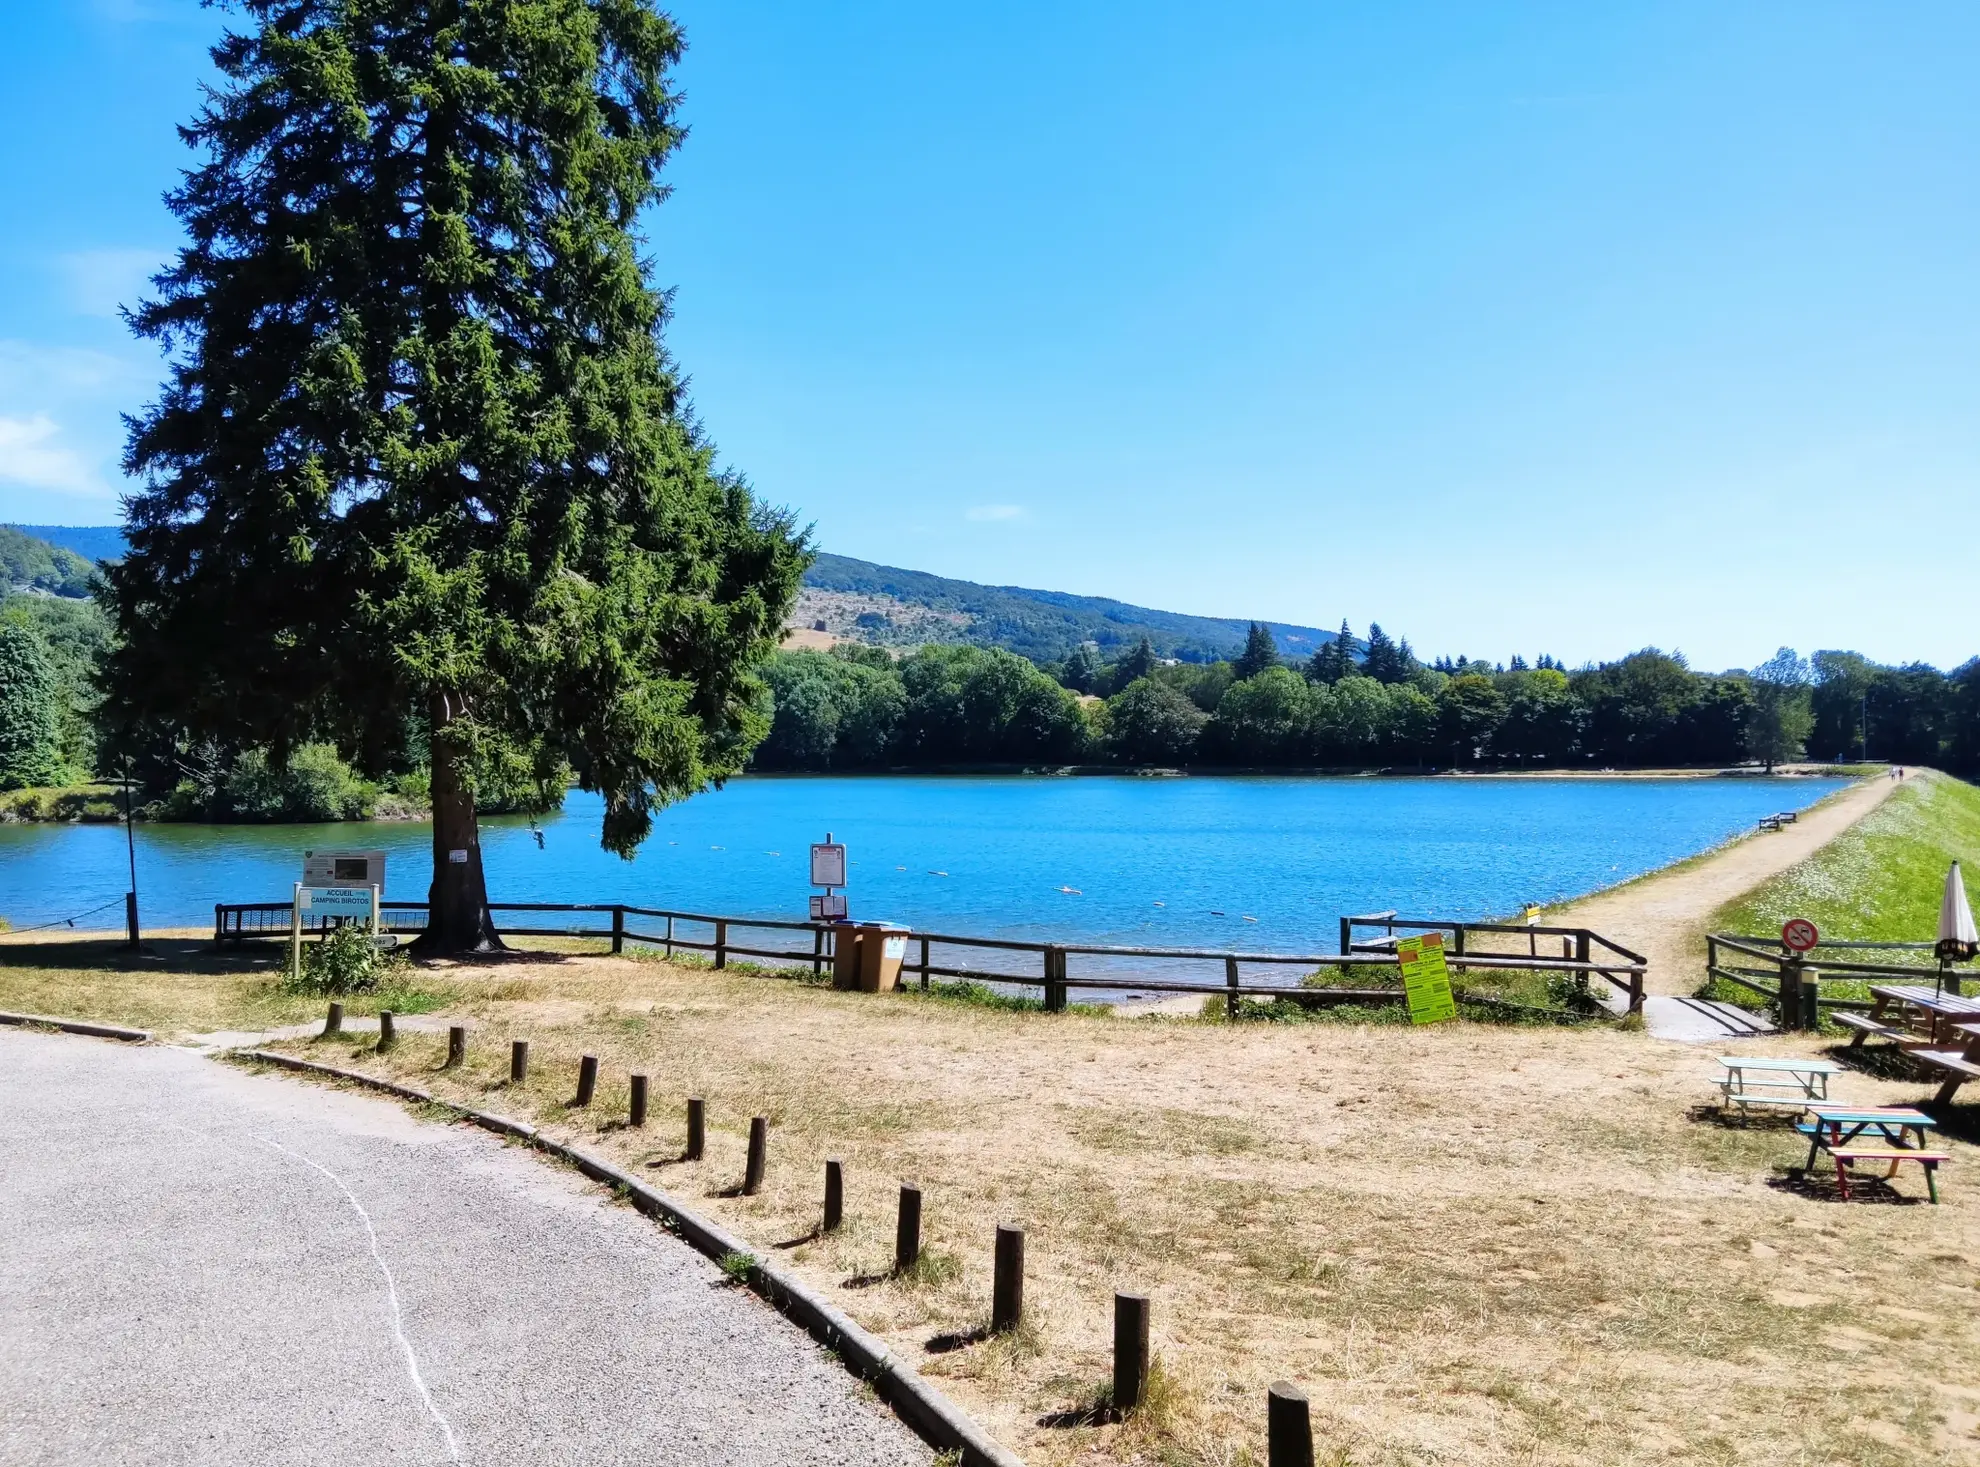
(846, 949)
(882, 949)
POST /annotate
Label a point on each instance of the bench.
(1930, 1160)
(1958, 1065)
(1865, 1026)
(1770, 822)
(1768, 1081)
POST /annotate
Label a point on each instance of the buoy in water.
(938, 873)
(1251, 919)
(1072, 891)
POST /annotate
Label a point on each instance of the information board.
(1426, 979)
(829, 908)
(344, 868)
(828, 865)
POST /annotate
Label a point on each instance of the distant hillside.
(886, 605)
(91, 542)
(30, 563)
(855, 599)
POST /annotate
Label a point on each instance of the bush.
(345, 961)
(316, 786)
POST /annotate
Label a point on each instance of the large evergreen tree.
(422, 472)
(1260, 652)
(1334, 660)
(30, 709)
(1777, 728)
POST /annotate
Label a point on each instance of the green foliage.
(1260, 652)
(30, 710)
(969, 705)
(1335, 659)
(1262, 720)
(31, 564)
(1152, 723)
(1083, 671)
(831, 712)
(1139, 663)
(1781, 719)
(314, 785)
(428, 466)
(76, 634)
(737, 1267)
(345, 961)
(1469, 710)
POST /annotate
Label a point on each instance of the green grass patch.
(1880, 880)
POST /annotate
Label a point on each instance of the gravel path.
(1663, 917)
(206, 1266)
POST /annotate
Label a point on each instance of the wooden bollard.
(518, 1061)
(907, 1230)
(637, 1116)
(456, 1046)
(835, 1196)
(386, 1037)
(1007, 1288)
(697, 1128)
(587, 1079)
(1130, 1350)
(759, 1144)
(333, 1022)
(1288, 1427)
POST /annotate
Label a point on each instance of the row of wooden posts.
(1289, 1429)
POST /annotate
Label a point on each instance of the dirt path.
(1663, 917)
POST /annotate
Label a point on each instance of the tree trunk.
(457, 918)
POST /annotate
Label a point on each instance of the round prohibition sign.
(1798, 935)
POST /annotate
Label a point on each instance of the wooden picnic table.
(1933, 1007)
(1750, 1080)
(1900, 1137)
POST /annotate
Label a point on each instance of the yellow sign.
(1426, 981)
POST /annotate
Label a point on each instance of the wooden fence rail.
(620, 923)
(1793, 982)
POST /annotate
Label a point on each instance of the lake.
(1263, 863)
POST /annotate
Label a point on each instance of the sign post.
(1426, 979)
(828, 869)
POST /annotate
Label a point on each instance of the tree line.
(1357, 702)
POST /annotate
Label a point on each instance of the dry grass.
(1473, 1244)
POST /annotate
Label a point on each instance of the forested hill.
(30, 563)
(887, 606)
(91, 542)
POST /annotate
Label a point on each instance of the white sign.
(336, 901)
(457, 858)
(829, 908)
(344, 868)
(828, 865)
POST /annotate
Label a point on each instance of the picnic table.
(1937, 1029)
(1900, 1137)
(1750, 1081)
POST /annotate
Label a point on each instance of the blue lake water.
(1267, 864)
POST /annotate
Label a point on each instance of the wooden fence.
(1579, 947)
(1793, 982)
(947, 955)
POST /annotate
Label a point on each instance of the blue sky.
(1525, 328)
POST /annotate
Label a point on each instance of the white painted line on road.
(391, 1292)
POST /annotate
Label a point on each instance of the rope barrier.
(71, 921)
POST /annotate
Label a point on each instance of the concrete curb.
(931, 1415)
(78, 1026)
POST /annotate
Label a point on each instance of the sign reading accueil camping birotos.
(1426, 979)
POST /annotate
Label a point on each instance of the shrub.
(345, 961)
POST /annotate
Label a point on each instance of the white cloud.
(103, 281)
(990, 513)
(33, 456)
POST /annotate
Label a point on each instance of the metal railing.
(715, 935)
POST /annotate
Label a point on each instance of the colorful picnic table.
(1840, 1129)
(1751, 1080)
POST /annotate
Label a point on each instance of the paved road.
(201, 1266)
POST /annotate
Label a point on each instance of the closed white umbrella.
(1958, 938)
